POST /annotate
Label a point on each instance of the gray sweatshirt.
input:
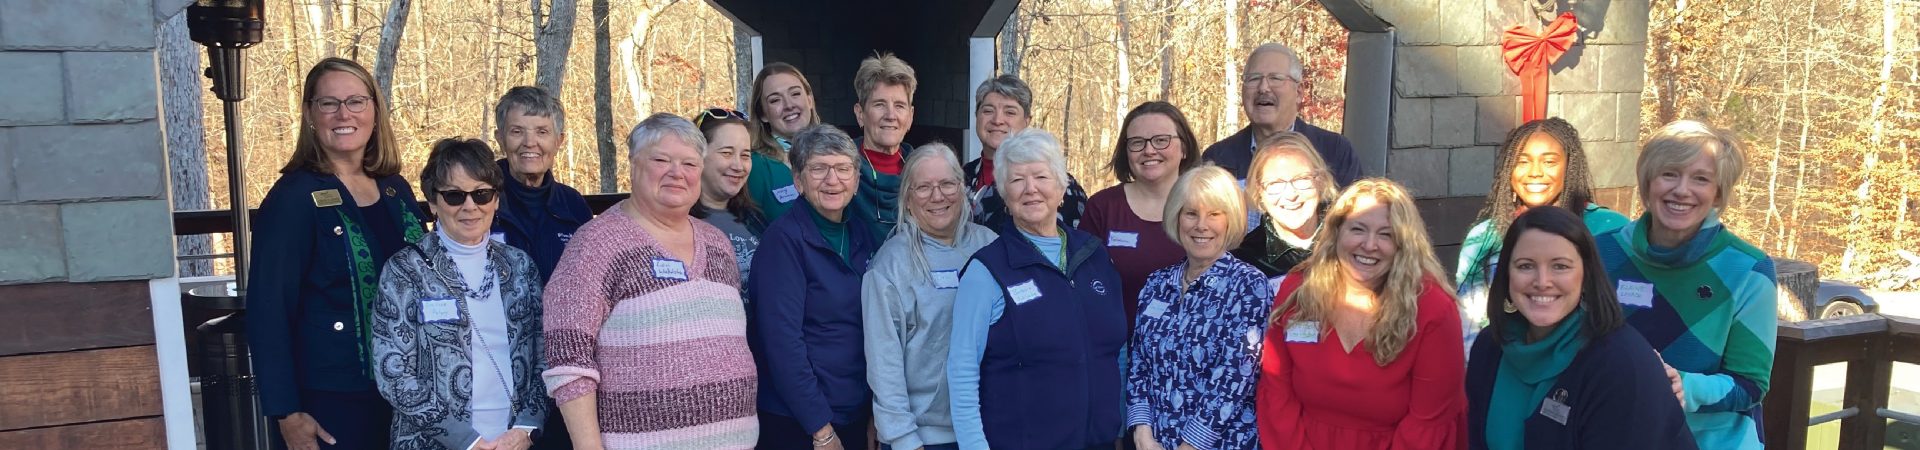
(908, 316)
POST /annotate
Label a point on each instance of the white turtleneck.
(487, 346)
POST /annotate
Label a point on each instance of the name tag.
(1634, 293)
(498, 237)
(668, 269)
(1125, 239)
(1304, 332)
(946, 279)
(786, 194)
(1555, 410)
(438, 310)
(1023, 292)
(1155, 309)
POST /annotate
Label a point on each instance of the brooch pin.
(337, 231)
(1706, 292)
(390, 191)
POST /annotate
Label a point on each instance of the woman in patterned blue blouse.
(1196, 343)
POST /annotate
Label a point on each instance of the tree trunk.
(186, 145)
(390, 33)
(1013, 45)
(639, 76)
(1166, 51)
(603, 97)
(1122, 66)
(1230, 79)
(553, 39)
(1876, 140)
(320, 20)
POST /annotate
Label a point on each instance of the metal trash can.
(228, 395)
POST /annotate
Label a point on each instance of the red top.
(885, 163)
(1345, 401)
(1138, 246)
(986, 174)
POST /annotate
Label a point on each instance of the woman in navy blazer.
(1561, 369)
(338, 211)
(803, 312)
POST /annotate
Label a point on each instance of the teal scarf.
(1526, 372)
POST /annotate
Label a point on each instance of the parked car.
(1839, 298)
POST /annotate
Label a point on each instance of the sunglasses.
(455, 197)
(701, 119)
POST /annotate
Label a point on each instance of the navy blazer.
(804, 323)
(1235, 153)
(543, 240)
(1618, 395)
(304, 318)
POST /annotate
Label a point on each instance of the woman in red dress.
(1372, 325)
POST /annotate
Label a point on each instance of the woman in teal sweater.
(1702, 296)
(1540, 164)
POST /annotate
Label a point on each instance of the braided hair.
(1576, 184)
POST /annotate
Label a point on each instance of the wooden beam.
(53, 389)
(134, 434)
(56, 317)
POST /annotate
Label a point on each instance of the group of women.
(744, 296)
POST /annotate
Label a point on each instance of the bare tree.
(320, 21)
(1013, 45)
(390, 33)
(603, 96)
(639, 77)
(1123, 99)
(1231, 73)
(186, 145)
(552, 39)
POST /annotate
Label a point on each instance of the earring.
(1508, 307)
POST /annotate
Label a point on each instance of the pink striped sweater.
(661, 343)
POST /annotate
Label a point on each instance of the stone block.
(1422, 170)
(1556, 104)
(78, 25)
(1627, 125)
(1416, 22)
(1496, 117)
(1426, 71)
(1481, 70)
(1625, 69)
(1578, 70)
(73, 162)
(1611, 163)
(1412, 122)
(31, 89)
(105, 87)
(1501, 14)
(1462, 23)
(1471, 170)
(1595, 115)
(1623, 22)
(30, 244)
(1453, 121)
(127, 240)
(6, 168)
(166, 9)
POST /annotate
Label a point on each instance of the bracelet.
(828, 440)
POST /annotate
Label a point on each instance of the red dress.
(1344, 401)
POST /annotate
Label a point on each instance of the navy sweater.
(1617, 393)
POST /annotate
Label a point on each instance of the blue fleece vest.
(1050, 377)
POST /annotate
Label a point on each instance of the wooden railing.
(1869, 345)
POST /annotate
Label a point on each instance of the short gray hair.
(1294, 70)
(1031, 145)
(658, 127)
(531, 101)
(819, 140)
(932, 150)
(1008, 86)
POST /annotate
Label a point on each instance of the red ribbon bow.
(1529, 54)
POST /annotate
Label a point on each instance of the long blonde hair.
(382, 156)
(1392, 326)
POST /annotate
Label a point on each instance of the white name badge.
(1555, 410)
(1023, 292)
(946, 279)
(436, 310)
(498, 237)
(1304, 332)
(1125, 239)
(786, 194)
(1634, 293)
(668, 269)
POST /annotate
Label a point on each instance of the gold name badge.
(326, 198)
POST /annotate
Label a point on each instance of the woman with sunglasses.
(338, 211)
(781, 105)
(729, 160)
(457, 303)
(1155, 147)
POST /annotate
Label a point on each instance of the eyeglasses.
(330, 105)
(947, 187)
(820, 171)
(1282, 186)
(700, 120)
(1269, 78)
(1139, 144)
(455, 197)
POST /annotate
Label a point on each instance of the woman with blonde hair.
(1370, 312)
(781, 105)
(1291, 187)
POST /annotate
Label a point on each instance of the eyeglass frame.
(1158, 141)
(318, 103)
(456, 197)
(1268, 188)
(944, 187)
(824, 169)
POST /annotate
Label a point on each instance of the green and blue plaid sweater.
(1710, 314)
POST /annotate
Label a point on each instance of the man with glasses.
(1270, 96)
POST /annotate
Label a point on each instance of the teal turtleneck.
(1527, 371)
(835, 233)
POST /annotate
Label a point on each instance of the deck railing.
(1869, 345)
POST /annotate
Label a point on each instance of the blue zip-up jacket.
(543, 238)
(804, 322)
(1616, 391)
(305, 320)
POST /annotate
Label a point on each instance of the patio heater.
(230, 412)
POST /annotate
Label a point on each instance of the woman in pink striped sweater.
(645, 329)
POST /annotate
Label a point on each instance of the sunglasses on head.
(717, 114)
(456, 197)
